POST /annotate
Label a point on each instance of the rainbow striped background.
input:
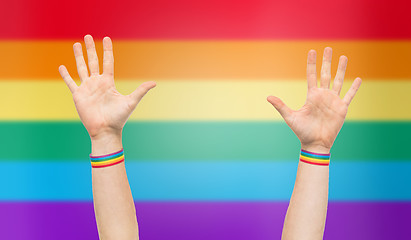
(207, 157)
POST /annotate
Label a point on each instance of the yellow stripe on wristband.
(115, 160)
(314, 160)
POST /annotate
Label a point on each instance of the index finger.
(108, 59)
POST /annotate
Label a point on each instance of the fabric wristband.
(107, 160)
(315, 158)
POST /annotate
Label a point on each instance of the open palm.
(101, 108)
(318, 122)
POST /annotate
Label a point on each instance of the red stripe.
(108, 165)
(320, 164)
(207, 19)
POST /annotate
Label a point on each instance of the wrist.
(316, 148)
(105, 133)
(105, 143)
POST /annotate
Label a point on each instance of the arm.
(104, 112)
(316, 124)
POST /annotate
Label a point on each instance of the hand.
(318, 122)
(102, 109)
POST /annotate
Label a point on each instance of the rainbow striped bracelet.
(107, 160)
(315, 158)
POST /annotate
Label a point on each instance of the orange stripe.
(119, 159)
(93, 162)
(111, 164)
(191, 60)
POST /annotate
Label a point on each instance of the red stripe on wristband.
(319, 164)
(108, 165)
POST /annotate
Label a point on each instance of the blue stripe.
(314, 155)
(97, 159)
(205, 181)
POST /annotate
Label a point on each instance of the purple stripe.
(201, 221)
(107, 155)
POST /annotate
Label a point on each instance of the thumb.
(139, 93)
(283, 109)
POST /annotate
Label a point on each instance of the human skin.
(104, 112)
(316, 125)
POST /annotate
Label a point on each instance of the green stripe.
(315, 156)
(203, 141)
(106, 158)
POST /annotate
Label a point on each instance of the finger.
(339, 77)
(67, 79)
(326, 68)
(312, 69)
(352, 91)
(281, 107)
(91, 55)
(108, 60)
(81, 64)
(139, 93)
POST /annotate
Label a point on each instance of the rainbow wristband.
(315, 158)
(107, 160)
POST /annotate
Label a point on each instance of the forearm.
(316, 125)
(113, 201)
(103, 112)
(306, 214)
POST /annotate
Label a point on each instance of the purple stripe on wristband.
(321, 154)
(91, 156)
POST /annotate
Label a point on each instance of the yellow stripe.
(203, 100)
(314, 160)
(107, 162)
(110, 159)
